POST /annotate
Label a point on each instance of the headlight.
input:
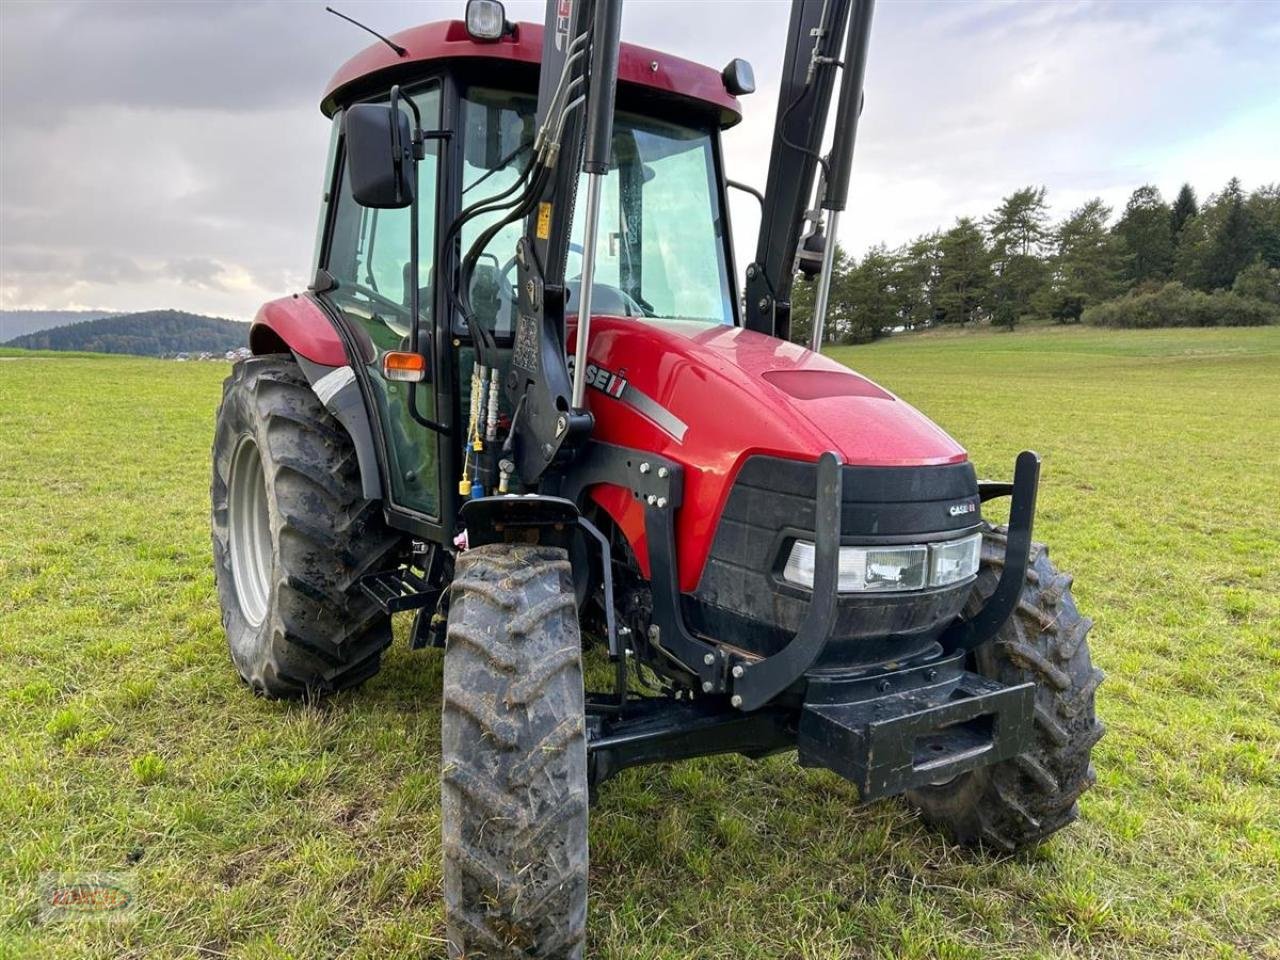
(954, 560)
(890, 568)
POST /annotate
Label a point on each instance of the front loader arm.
(575, 110)
(808, 80)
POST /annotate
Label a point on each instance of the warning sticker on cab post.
(544, 221)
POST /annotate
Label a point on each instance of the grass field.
(255, 829)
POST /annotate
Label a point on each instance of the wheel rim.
(250, 528)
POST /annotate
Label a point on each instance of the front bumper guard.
(888, 731)
(755, 683)
(900, 729)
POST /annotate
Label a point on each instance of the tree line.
(1159, 263)
(152, 333)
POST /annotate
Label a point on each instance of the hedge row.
(1173, 305)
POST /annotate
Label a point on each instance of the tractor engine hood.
(709, 396)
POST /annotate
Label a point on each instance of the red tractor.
(543, 424)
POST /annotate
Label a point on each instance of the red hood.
(793, 401)
(709, 396)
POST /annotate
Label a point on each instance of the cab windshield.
(660, 249)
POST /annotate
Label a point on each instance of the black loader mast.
(808, 80)
(575, 127)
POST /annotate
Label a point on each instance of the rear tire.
(1018, 803)
(292, 533)
(513, 744)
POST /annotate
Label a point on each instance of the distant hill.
(152, 333)
(18, 323)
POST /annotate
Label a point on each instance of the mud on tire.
(1020, 802)
(514, 774)
(307, 628)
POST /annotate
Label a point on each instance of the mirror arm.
(746, 188)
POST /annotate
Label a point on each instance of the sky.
(170, 154)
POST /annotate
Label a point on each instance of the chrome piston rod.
(823, 295)
(584, 291)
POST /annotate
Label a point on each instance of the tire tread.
(1019, 803)
(322, 634)
(513, 782)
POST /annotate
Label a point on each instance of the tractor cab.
(663, 251)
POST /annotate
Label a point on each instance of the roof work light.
(486, 20)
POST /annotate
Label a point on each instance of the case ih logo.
(960, 509)
(605, 381)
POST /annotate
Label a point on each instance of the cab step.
(399, 589)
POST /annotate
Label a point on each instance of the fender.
(297, 324)
(528, 519)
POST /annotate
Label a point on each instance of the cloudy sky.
(169, 153)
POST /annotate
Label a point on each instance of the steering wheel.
(510, 264)
(373, 295)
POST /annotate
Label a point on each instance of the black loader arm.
(575, 102)
(813, 58)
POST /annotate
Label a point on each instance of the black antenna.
(400, 51)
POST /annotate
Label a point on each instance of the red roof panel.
(447, 39)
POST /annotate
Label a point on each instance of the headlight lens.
(486, 20)
(890, 569)
(954, 560)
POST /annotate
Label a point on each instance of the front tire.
(513, 744)
(1019, 803)
(292, 533)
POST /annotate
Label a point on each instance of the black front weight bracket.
(661, 729)
(892, 731)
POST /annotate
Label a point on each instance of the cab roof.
(448, 39)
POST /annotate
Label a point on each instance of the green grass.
(254, 829)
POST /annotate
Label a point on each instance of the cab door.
(367, 255)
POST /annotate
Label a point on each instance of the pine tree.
(1233, 245)
(1146, 233)
(915, 280)
(1184, 208)
(866, 290)
(1264, 209)
(1085, 265)
(964, 273)
(1019, 232)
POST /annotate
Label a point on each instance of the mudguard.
(299, 325)
(550, 521)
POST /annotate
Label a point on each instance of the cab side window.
(368, 256)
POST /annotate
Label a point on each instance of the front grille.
(742, 599)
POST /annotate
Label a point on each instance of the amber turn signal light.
(410, 367)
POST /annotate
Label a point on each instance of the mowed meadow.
(253, 829)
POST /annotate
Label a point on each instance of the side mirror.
(379, 149)
(739, 79)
